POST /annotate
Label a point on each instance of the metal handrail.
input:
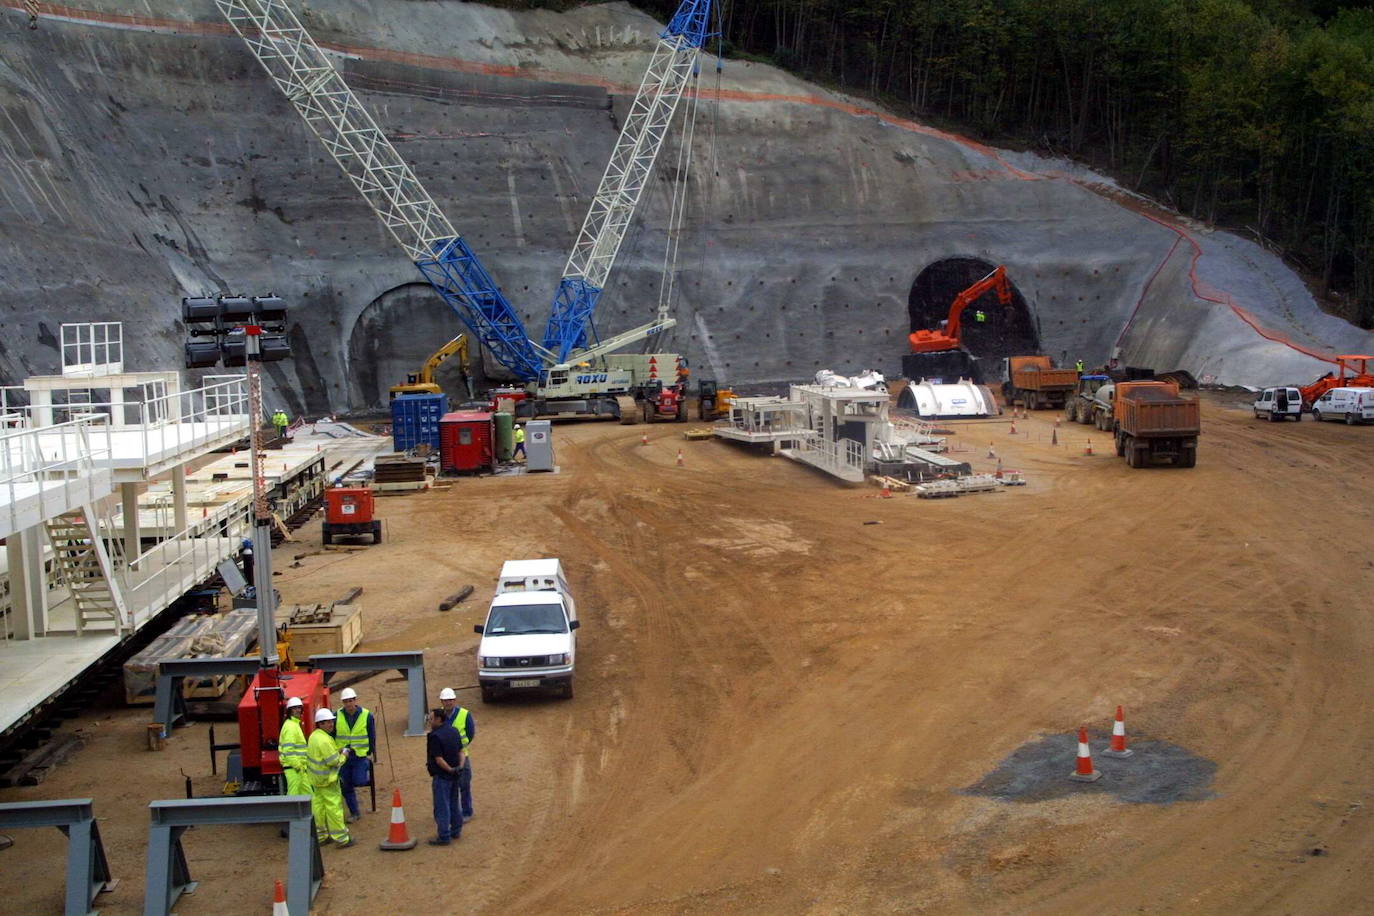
(64, 452)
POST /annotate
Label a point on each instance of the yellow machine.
(713, 401)
(422, 382)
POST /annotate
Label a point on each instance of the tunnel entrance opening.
(1004, 331)
(394, 335)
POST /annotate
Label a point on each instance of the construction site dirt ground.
(786, 685)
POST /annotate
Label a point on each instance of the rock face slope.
(146, 157)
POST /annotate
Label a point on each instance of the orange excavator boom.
(1357, 365)
(947, 337)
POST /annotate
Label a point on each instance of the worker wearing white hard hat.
(291, 749)
(355, 730)
(461, 719)
(324, 759)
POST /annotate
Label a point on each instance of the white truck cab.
(528, 642)
(1278, 404)
(1353, 405)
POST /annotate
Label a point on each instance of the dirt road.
(779, 705)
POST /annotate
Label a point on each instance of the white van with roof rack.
(1353, 405)
(528, 642)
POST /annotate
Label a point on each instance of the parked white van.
(528, 641)
(1279, 403)
(1353, 405)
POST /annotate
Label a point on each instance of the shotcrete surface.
(146, 157)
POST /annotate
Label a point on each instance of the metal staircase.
(82, 563)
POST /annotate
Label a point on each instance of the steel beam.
(169, 706)
(169, 876)
(88, 872)
(410, 664)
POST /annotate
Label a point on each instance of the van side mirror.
(476, 628)
(574, 624)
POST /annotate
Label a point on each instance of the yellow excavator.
(422, 382)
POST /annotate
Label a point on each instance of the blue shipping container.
(415, 420)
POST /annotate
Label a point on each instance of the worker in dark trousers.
(519, 443)
(280, 421)
(1079, 366)
(461, 719)
(444, 762)
(355, 729)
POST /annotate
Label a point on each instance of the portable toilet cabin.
(467, 442)
(415, 420)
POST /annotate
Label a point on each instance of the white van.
(1279, 404)
(528, 642)
(1353, 405)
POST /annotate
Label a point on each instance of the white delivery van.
(1353, 405)
(1279, 403)
(528, 642)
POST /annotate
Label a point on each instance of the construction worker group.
(336, 760)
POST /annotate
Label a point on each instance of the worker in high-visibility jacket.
(461, 719)
(519, 443)
(354, 729)
(291, 749)
(323, 760)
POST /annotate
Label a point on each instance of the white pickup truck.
(528, 642)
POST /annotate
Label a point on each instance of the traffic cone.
(1012, 431)
(643, 438)
(1054, 435)
(398, 838)
(998, 475)
(1084, 771)
(1118, 746)
(991, 453)
(279, 901)
(886, 493)
(1088, 450)
(680, 462)
(1056, 422)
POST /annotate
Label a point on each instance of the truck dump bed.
(1152, 411)
(1033, 378)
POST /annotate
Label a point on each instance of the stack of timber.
(224, 635)
(401, 472)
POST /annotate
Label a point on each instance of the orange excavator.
(1358, 378)
(946, 337)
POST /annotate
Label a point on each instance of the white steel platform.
(51, 471)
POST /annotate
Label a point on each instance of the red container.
(348, 505)
(467, 442)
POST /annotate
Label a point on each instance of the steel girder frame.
(410, 664)
(88, 872)
(169, 876)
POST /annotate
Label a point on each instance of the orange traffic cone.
(680, 462)
(886, 493)
(279, 902)
(398, 838)
(1056, 422)
(1118, 746)
(1012, 431)
(991, 453)
(1054, 435)
(643, 438)
(1088, 449)
(1084, 771)
(998, 475)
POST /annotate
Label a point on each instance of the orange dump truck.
(1151, 420)
(1035, 382)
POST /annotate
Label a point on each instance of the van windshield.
(514, 620)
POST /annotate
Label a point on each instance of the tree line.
(1253, 115)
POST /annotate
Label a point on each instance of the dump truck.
(1151, 420)
(1033, 381)
(1083, 406)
